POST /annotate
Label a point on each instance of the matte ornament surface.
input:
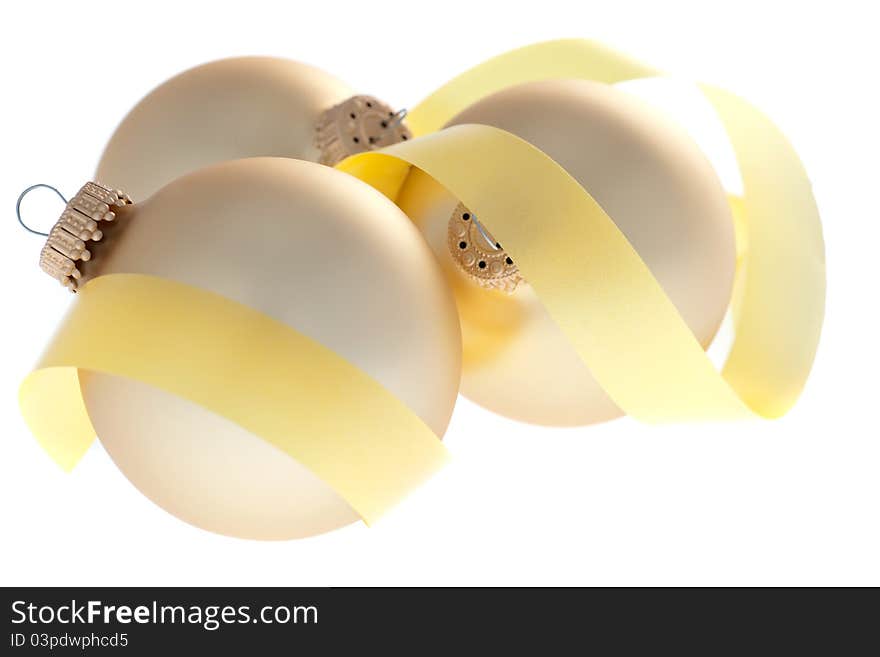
(647, 174)
(229, 383)
(223, 110)
(268, 348)
(607, 303)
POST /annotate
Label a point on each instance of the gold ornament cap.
(478, 255)
(85, 219)
(356, 125)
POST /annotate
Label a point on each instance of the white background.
(793, 501)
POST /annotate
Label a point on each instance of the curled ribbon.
(288, 389)
(591, 280)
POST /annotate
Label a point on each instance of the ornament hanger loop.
(490, 242)
(396, 119)
(21, 197)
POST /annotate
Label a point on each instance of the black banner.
(415, 621)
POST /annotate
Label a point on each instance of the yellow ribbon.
(284, 387)
(561, 59)
(588, 276)
(362, 440)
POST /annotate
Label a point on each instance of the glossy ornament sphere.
(222, 110)
(649, 177)
(308, 246)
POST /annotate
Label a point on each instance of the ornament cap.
(85, 219)
(478, 255)
(356, 125)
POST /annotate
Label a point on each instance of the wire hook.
(396, 119)
(485, 234)
(21, 197)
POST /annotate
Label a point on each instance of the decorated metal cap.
(85, 219)
(358, 124)
(478, 255)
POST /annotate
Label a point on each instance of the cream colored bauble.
(652, 180)
(238, 108)
(313, 248)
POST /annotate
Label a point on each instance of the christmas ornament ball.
(310, 247)
(650, 178)
(223, 110)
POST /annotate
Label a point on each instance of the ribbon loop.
(591, 280)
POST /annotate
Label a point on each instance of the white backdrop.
(793, 501)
